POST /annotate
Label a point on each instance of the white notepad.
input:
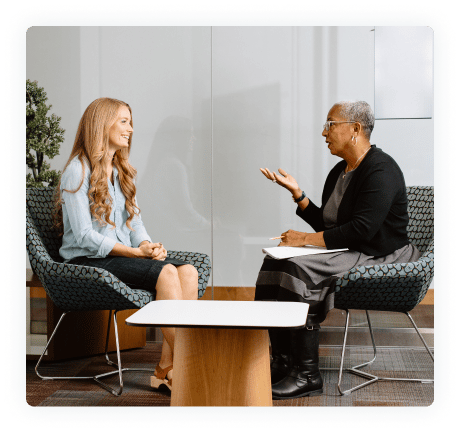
(288, 252)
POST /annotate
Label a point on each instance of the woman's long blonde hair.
(92, 146)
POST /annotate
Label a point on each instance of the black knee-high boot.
(280, 363)
(304, 378)
(279, 337)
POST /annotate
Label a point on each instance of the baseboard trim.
(225, 293)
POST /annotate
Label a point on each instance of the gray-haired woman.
(364, 209)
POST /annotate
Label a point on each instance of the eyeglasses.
(328, 124)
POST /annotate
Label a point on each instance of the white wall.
(53, 59)
(271, 90)
(404, 99)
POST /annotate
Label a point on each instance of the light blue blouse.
(83, 234)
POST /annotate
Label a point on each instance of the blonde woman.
(102, 225)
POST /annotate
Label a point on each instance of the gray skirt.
(312, 278)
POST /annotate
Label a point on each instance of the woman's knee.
(188, 272)
(188, 276)
(168, 274)
(168, 284)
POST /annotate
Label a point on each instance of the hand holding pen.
(293, 238)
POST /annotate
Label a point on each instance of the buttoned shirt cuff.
(105, 247)
(139, 236)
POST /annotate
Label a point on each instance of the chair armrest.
(425, 264)
(387, 287)
(202, 264)
(74, 287)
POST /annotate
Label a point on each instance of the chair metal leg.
(107, 342)
(46, 347)
(109, 362)
(343, 352)
(97, 377)
(420, 335)
(342, 357)
(372, 378)
(120, 370)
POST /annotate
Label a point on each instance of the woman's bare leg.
(175, 283)
(188, 277)
(166, 355)
(168, 287)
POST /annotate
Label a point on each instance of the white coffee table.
(221, 355)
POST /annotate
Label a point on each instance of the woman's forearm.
(124, 251)
(302, 204)
(293, 238)
(146, 250)
(316, 239)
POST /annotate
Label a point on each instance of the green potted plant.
(43, 137)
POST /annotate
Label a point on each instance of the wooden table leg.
(221, 367)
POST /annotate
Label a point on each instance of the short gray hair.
(358, 111)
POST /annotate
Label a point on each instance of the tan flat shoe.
(160, 378)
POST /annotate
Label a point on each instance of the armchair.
(83, 288)
(396, 287)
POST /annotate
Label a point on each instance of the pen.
(279, 237)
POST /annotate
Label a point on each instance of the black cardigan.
(372, 217)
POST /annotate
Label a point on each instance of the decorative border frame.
(445, 187)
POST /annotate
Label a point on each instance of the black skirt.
(136, 273)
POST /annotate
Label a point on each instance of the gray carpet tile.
(392, 362)
(74, 398)
(423, 316)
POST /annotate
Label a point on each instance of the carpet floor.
(391, 362)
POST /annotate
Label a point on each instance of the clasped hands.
(153, 251)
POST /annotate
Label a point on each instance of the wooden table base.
(221, 367)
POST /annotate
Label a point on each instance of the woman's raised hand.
(284, 179)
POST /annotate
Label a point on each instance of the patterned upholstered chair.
(398, 287)
(82, 288)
